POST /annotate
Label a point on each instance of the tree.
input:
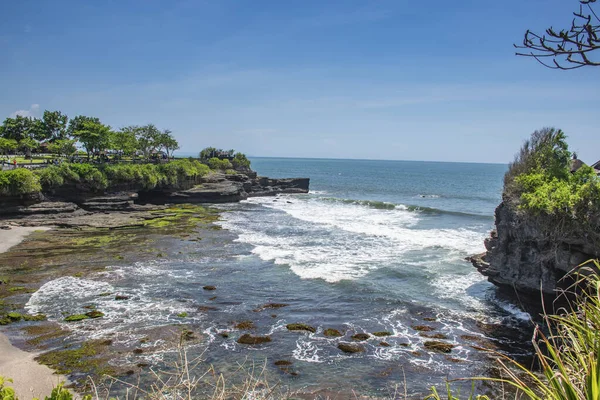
(168, 142)
(207, 154)
(63, 147)
(17, 128)
(240, 161)
(125, 141)
(55, 125)
(7, 145)
(76, 124)
(27, 145)
(94, 136)
(569, 48)
(148, 137)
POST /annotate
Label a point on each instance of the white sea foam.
(307, 350)
(68, 295)
(336, 240)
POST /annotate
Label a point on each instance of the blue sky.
(411, 80)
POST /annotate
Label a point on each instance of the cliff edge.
(548, 222)
(529, 253)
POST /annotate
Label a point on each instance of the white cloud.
(32, 112)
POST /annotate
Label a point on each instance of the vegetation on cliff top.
(55, 133)
(99, 177)
(541, 181)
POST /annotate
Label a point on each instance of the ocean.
(376, 246)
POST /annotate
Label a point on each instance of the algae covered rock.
(440, 347)
(249, 339)
(361, 336)
(270, 306)
(332, 333)
(76, 317)
(382, 334)
(94, 314)
(300, 327)
(350, 348)
(244, 325)
(434, 335)
(423, 328)
(209, 287)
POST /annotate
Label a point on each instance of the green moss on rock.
(361, 336)
(300, 327)
(94, 314)
(249, 339)
(440, 347)
(76, 317)
(382, 334)
(350, 348)
(332, 332)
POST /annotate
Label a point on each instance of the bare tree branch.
(570, 49)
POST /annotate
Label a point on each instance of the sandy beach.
(30, 378)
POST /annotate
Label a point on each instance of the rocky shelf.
(213, 188)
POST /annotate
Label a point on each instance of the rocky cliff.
(213, 188)
(528, 253)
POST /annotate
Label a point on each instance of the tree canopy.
(61, 135)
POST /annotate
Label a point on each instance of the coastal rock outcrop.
(213, 188)
(528, 253)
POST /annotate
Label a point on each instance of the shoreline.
(30, 379)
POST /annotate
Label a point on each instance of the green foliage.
(88, 175)
(167, 142)
(63, 147)
(541, 179)
(18, 182)
(6, 392)
(207, 153)
(94, 136)
(17, 128)
(7, 145)
(240, 161)
(54, 125)
(144, 175)
(218, 164)
(58, 393)
(77, 123)
(546, 151)
(27, 144)
(179, 171)
(148, 137)
(125, 141)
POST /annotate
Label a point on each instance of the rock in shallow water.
(300, 327)
(249, 339)
(440, 347)
(332, 333)
(361, 336)
(350, 348)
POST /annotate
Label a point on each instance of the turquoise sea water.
(375, 246)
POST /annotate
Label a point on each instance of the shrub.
(50, 177)
(240, 161)
(177, 172)
(541, 182)
(218, 164)
(18, 182)
(89, 175)
(145, 175)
